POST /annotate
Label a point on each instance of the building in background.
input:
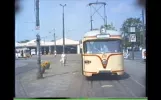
(71, 46)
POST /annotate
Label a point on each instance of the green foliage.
(25, 41)
(137, 23)
(110, 27)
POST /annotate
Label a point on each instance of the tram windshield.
(102, 46)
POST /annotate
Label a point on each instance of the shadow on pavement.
(106, 76)
(57, 74)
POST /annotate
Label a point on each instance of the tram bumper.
(105, 71)
(113, 72)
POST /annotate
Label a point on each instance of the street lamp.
(40, 74)
(54, 43)
(63, 29)
(132, 38)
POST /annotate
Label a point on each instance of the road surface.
(137, 55)
(74, 84)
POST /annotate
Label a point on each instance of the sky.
(76, 16)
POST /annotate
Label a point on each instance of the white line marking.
(107, 86)
(137, 82)
(131, 92)
(128, 89)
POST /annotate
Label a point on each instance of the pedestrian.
(63, 58)
(55, 52)
(21, 53)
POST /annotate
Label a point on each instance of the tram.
(22, 53)
(102, 52)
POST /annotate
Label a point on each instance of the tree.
(141, 3)
(17, 6)
(95, 29)
(110, 27)
(24, 41)
(138, 28)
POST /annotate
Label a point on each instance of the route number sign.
(132, 37)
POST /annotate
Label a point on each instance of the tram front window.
(102, 46)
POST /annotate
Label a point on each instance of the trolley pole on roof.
(39, 73)
(96, 11)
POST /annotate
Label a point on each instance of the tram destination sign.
(103, 36)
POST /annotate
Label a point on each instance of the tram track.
(128, 85)
(127, 89)
(103, 82)
(105, 88)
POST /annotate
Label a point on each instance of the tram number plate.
(104, 71)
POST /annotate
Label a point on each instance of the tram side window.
(88, 47)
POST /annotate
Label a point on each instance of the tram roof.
(96, 32)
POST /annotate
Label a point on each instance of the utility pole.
(124, 38)
(54, 42)
(132, 38)
(143, 26)
(44, 47)
(63, 29)
(39, 74)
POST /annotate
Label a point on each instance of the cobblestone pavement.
(68, 81)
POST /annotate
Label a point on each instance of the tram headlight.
(104, 61)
